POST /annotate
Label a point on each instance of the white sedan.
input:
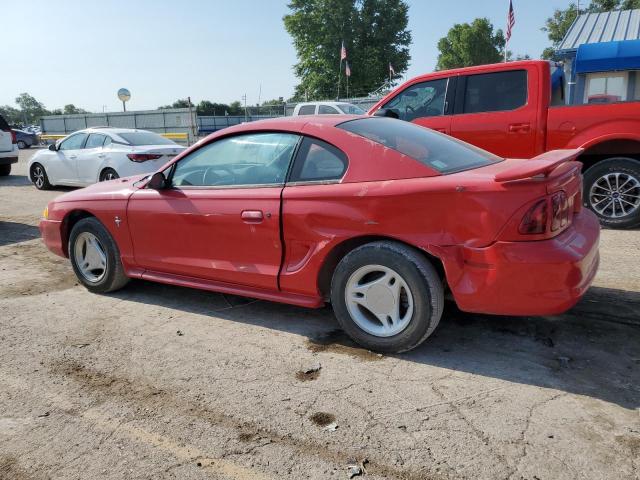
(101, 153)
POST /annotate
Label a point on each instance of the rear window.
(145, 138)
(495, 92)
(307, 110)
(436, 150)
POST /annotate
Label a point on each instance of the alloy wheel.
(38, 176)
(90, 257)
(615, 195)
(379, 300)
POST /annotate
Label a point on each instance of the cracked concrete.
(102, 386)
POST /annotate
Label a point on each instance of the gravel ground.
(165, 382)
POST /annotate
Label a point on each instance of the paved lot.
(162, 382)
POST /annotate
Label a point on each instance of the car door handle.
(520, 127)
(101, 155)
(252, 216)
(73, 156)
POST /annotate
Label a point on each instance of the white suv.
(100, 153)
(8, 148)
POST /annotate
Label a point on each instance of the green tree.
(180, 103)
(71, 109)
(31, 109)
(374, 33)
(470, 44)
(12, 115)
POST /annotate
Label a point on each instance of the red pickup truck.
(517, 110)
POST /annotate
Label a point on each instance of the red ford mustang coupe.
(375, 215)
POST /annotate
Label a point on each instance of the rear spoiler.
(541, 165)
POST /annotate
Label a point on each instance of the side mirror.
(385, 112)
(157, 182)
(53, 147)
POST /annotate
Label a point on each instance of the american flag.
(347, 70)
(391, 70)
(343, 52)
(511, 20)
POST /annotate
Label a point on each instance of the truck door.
(497, 111)
(425, 103)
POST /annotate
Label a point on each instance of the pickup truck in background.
(518, 110)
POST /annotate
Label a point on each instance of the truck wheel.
(612, 192)
(387, 297)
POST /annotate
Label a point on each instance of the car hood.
(118, 189)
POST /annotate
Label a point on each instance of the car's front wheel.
(108, 174)
(39, 177)
(612, 191)
(95, 257)
(387, 296)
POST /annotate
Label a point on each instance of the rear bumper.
(543, 277)
(8, 158)
(52, 236)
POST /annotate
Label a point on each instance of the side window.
(74, 142)
(95, 140)
(107, 140)
(327, 110)
(426, 99)
(307, 110)
(251, 159)
(316, 161)
(495, 92)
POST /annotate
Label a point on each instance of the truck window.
(307, 110)
(606, 87)
(424, 99)
(495, 92)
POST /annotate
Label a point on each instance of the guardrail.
(170, 135)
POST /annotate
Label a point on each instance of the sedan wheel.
(22, 144)
(39, 177)
(379, 300)
(91, 257)
(612, 192)
(387, 296)
(95, 257)
(108, 174)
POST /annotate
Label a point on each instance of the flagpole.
(339, 74)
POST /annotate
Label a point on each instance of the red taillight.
(13, 137)
(142, 157)
(561, 211)
(535, 220)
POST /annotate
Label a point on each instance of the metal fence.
(175, 120)
(210, 124)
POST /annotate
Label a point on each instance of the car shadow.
(23, 181)
(592, 350)
(14, 232)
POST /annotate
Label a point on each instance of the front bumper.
(52, 236)
(545, 277)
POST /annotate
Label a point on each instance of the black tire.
(22, 144)
(594, 197)
(108, 174)
(39, 178)
(114, 277)
(5, 170)
(415, 270)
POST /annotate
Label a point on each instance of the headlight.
(45, 213)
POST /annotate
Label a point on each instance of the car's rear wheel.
(5, 170)
(22, 144)
(387, 296)
(108, 174)
(95, 257)
(39, 177)
(612, 191)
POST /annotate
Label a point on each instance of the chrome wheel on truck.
(612, 191)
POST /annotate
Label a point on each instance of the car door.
(495, 111)
(91, 158)
(425, 103)
(220, 218)
(62, 167)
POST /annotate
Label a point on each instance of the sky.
(82, 52)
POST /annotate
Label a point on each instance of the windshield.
(351, 109)
(438, 151)
(145, 138)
